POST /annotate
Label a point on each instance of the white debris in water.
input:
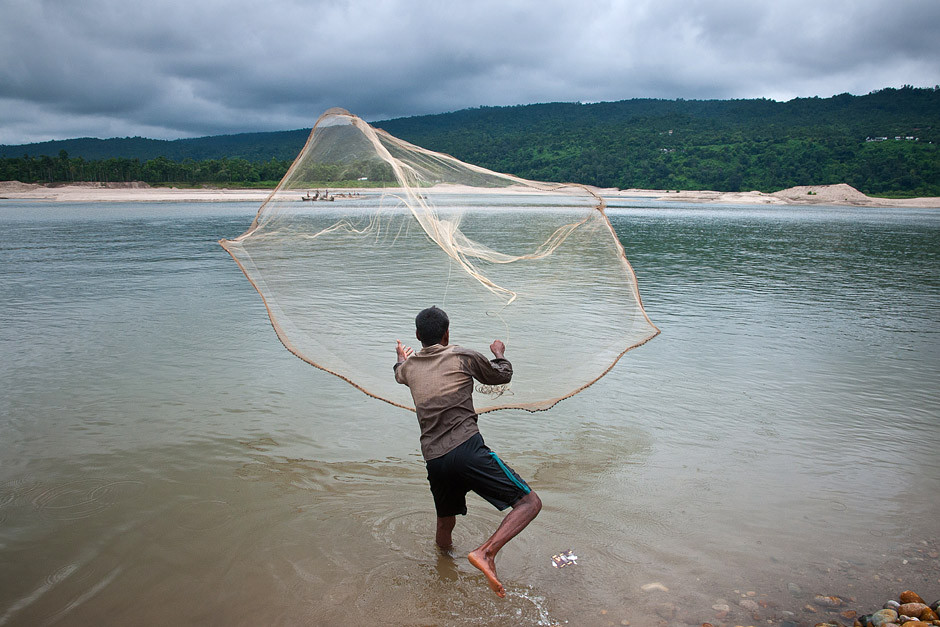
(564, 559)
(654, 586)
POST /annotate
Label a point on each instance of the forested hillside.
(255, 147)
(726, 145)
(882, 143)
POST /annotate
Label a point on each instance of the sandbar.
(840, 195)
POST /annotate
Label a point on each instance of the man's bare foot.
(443, 536)
(486, 564)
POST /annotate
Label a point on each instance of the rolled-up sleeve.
(399, 374)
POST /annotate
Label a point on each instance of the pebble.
(666, 611)
(910, 612)
(881, 617)
(909, 596)
(721, 610)
(913, 609)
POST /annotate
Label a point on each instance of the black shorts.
(472, 466)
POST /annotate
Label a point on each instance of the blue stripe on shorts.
(519, 484)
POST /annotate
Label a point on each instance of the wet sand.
(839, 195)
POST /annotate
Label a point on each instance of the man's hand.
(404, 352)
(498, 349)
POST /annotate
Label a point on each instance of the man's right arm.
(494, 371)
(498, 349)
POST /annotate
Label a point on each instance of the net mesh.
(342, 275)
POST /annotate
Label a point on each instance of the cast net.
(343, 275)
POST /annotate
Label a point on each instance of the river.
(163, 459)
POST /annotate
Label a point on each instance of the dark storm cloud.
(169, 68)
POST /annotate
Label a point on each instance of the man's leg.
(484, 557)
(445, 525)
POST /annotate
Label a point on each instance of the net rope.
(343, 273)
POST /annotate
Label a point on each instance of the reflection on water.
(164, 460)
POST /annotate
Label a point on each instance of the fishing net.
(342, 275)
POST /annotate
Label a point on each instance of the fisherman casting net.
(343, 275)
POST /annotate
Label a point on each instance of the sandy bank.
(141, 192)
(840, 194)
(125, 192)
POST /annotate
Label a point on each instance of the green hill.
(250, 146)
(885, 143)
(726, 145)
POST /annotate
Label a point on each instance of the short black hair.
(431, 323)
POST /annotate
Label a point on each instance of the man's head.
(431, 326)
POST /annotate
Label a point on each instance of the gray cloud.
(174, 68)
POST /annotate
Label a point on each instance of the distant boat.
(317, 197)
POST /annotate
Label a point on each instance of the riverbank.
(125, 192)
(841, 194)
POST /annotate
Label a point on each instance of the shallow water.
(166, 461)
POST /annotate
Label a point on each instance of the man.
(440, 377)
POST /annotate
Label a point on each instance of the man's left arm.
(403, 352)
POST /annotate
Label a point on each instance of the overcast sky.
(174, 68)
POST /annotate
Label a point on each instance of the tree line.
(883, 143)
(65, 169)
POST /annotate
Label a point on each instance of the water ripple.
(82, 498)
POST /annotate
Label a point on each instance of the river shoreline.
(840, 195)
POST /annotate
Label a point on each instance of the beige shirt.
(441, 383)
